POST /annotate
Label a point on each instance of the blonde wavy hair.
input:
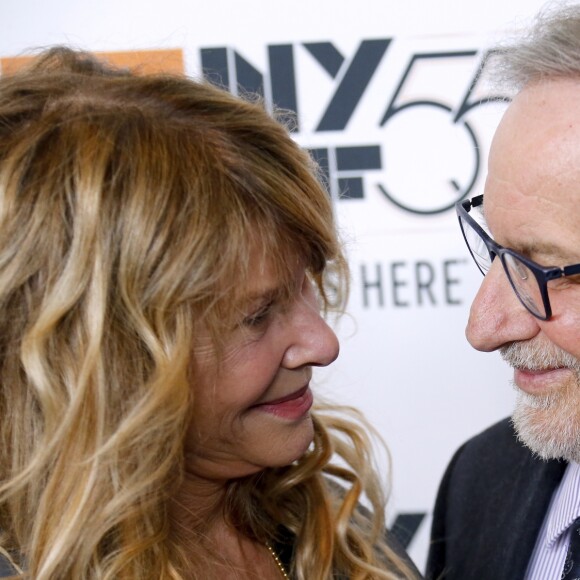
(126, 207)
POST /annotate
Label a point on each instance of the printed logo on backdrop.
(139, 61)
(415, 116)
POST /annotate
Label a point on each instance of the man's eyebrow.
(549, 254)
(551, 251)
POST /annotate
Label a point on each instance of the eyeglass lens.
(477, 246)
(525, 284)
(521, 277)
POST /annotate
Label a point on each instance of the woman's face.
(252, 407)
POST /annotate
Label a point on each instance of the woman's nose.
(313, 343)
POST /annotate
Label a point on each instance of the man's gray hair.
(550, 49)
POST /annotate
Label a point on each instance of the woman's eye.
(259, 317)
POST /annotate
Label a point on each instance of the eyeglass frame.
(543, 274)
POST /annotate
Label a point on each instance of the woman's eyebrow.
(262, 295)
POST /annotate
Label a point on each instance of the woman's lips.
(541, 382)
(291, 407)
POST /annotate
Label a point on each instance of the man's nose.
(497, 317)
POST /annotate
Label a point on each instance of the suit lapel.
(521, 503)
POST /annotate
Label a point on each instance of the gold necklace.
(277, 560)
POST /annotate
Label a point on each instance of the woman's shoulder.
(390, 537)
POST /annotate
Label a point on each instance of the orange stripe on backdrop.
(139, 61)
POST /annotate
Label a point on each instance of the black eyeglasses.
(528, 279)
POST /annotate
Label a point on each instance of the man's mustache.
(535, 355)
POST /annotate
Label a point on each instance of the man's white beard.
(548, 424)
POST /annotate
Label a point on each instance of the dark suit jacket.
(490, 508)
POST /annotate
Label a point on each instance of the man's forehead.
(541, 126)
(532, 191)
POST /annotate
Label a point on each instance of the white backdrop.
(404, 358)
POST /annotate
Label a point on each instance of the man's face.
(532, 205)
